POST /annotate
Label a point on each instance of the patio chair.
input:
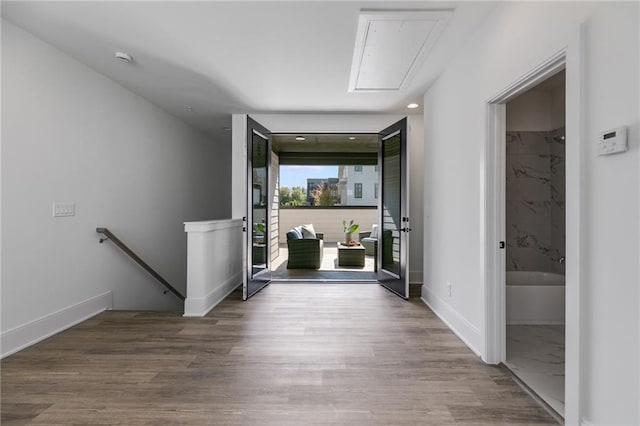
(304, 252)
(368, 240)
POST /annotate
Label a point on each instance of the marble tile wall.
(535, 201)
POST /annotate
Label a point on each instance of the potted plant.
(261, 228)
(349, 229)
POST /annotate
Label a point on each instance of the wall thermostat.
(613, 141)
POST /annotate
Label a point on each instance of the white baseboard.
(466, 331)
(583, 422)
(199, 307)
(28, 334)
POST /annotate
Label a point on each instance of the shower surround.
(535, 200)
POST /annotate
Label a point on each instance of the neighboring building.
(358, 185)
(355, 186)
(313, 183)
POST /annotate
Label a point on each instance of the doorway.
(323, 183)
(571, 59)
(535, 211)
(263, 226)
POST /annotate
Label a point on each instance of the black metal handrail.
(108, 235)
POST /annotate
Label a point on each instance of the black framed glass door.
(257, 220)
(393, 237)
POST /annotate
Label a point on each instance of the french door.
(393, 209)
(257, 272)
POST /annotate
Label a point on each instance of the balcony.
(329, 222)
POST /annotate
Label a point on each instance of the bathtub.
(535, 297)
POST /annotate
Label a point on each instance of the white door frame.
(571, 58)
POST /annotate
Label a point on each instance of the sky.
(297, 175)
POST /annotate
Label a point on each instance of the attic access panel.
(391, 45)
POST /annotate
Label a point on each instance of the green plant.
(351, 227)
(322, 195)
(261, 228)
(295, 196)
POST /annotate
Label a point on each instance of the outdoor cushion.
(374, 231)
(294, 235)
(308, 231)
(369, 245)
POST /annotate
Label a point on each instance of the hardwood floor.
(310, 354)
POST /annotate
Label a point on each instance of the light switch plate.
(64, 209)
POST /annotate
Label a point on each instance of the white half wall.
(515, 39)
(342, 123)
(70, 134)
(214, 263)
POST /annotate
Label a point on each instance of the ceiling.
(202, 61)
(325, 142)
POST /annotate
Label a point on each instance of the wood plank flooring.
(309, 354)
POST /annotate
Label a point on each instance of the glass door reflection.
(258, 274)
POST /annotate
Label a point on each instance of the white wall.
(238, 165)
(416, 200)
(70, 134)
(558, 113)
(214, 266)
(346, 123)
(515, 39)
(537, 110)
(530, 112)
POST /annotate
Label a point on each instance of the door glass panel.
(391, 197)
(393, 241)
(259, 204)
(257, 272)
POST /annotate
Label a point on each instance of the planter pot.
(348, 237)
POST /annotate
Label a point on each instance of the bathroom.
(535, 240)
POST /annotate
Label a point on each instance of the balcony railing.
(328, 221)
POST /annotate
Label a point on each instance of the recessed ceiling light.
(190, 108)
(412, 106)
(352, 138)
(299, 138)
(124, 57)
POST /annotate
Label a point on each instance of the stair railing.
(108, 235)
